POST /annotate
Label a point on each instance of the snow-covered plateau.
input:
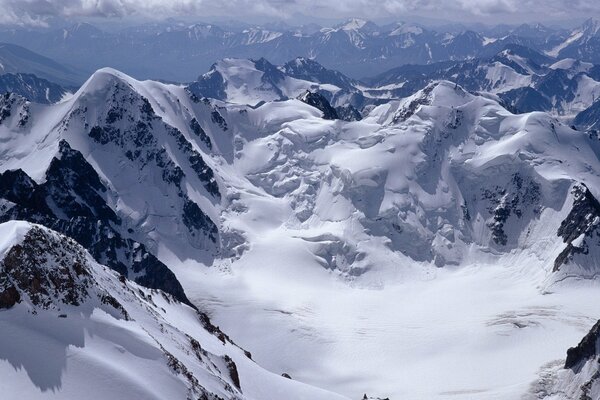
(441, 247)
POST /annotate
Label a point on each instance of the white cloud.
(35, 12)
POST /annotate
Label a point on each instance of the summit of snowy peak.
(201, 30)
(440, 93)
(262, 64)
(232, 62)
(102, 79)
(301, 63)
(81, 31)
(532, 31)
(83, 27)
(310, 70)
(403, 28)
(12, 233)
(354, 24)
(251, 82)
(237, 66)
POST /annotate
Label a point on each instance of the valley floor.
(475, 332)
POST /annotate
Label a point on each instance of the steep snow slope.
(72, 328)
(145, 180)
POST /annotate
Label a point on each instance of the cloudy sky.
(37, 12)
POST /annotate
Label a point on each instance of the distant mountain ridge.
(358, 48)
(18, 60)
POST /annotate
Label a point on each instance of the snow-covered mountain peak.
(252, 82)
(114, 94)
(439, 94)
(403, 28)
(355, 24)
(103, 79)
(447, 93)
(12, 233)
(302, 62)
(84, 29)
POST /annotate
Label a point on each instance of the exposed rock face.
(585, 350)
(48, 271)
(14, 104)
(72, 201)
(348, 113)
(578, 378)
(210, 84)
(580, 229)
(9, 297)
(318, 101)
(514, 199)
(197, 129)
(523, 100)
(411, 107)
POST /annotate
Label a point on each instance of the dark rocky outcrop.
(585, 350)
(198, 131)
(310, 70)
(44, 270)
(521, 194)
(318, 101)
(233, 372)
(48, 270)
(408, 110)
(348, 113)
(210, 85)
(13, 104)
(584, 219)
(72, 201)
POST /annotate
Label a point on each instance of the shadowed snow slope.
(72, 328)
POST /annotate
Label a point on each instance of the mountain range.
(356, 47)
(349, 212)
(221, 197)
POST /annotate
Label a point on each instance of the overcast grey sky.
(36, 12)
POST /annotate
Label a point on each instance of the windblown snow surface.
(410, 255)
